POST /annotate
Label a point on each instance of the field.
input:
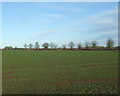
(59, 72)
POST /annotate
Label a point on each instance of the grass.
(60, 72)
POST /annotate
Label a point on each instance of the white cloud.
(65, 7)
(55, 16)
(106, 21)
(43, 34)
(100, 26)
(107, 18)
(48, 32)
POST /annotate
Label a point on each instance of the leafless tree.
(64, 46)
(71, 45)
(30, 46)
(94, 44)
(110, 43)
(45, 45)
(79, 45)
(87, 44)
(25, 45)
(37, 45)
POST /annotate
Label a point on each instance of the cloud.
(107, 18)
(54, 16)
(103, 22)
(43, 34)
(48, 33)
(61, 7)
(99, 26)
(106, 25)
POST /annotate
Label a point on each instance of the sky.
(59, 22)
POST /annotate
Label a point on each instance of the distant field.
(60, 72)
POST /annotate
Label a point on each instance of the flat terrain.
(60, 72)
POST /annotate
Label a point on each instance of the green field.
(59, 72)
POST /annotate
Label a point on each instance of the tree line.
(94, 44)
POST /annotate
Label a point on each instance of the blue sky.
(60, 22)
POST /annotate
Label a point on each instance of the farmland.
(59, 72)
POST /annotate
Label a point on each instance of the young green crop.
(59, 72)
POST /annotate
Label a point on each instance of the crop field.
(59, 72)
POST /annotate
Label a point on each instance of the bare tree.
(16, 47)
(94, 44)
(71, 45)
(37, 45)
(52, 45)
(110, 43)
(87, 44)
(25, 45)
(55, 46)
(45, 45)
(79, 45)
(30, 46)
(64, 46)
